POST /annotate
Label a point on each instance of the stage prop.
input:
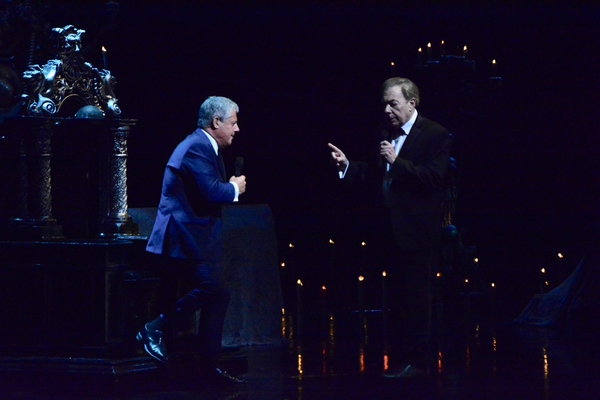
(252, 272)
(251, 269)
(573, 304)
(67, 98)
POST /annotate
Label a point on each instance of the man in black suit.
(414, 163)
(187, 233)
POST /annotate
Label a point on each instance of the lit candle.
(361, 304)
(392, 69)
(542, 280)
(429, 56)
(439, 298)
(467, 299)
(384, 302)
(494, 68)
(560, 270)
(493, 299)
(420, 51)
(298, 307)
(323, 297)
(465, 51)
(442, 51)
(104, 58)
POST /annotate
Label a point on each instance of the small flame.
(361, 278)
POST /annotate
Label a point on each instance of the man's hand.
(240, 181)
(387, 151)
(338, 158)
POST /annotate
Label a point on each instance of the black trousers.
(199, 285)
(410, 296)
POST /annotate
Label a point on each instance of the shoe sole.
(140, 339)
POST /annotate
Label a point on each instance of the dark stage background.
(305, 74)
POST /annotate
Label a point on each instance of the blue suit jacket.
(188, 221)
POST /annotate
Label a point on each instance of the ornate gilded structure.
(68, 78)
(66, 94)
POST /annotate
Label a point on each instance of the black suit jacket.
(417, 180)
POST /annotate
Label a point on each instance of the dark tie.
(221, 165)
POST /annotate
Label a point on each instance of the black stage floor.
(477, 355)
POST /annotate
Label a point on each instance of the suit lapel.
(411, 138)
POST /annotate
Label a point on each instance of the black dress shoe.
(407, 372)
(153, 344)
(217, 377)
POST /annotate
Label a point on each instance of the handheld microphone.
(239, 163)
(384, 135)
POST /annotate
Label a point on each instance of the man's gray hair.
(407, 87)
(215, 106)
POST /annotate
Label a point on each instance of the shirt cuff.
(237, 191)
(343, 173)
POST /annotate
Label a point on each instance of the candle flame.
(283, 310)
(392, 63)
(103, 49)
(476, 259)
(363, 244)
(439, 275)
(466, 281)
(465, 48)
(361, 278)
(560, 255)
(331, 241)
(543, 270)
(282, 264)
(291, 246)
(429, 45)
(494, 61)
(299, 282)
(420, 50)
(442, 42)
(323, 288)
(493, 284)
(384, 273)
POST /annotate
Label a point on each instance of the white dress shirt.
(216, 148)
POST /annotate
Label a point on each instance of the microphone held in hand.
(239, 163)
(384, 135)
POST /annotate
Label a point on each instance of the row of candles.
(543, 279)
(430, 58)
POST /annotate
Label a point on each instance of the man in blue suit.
(413, 158)
(187, 232)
